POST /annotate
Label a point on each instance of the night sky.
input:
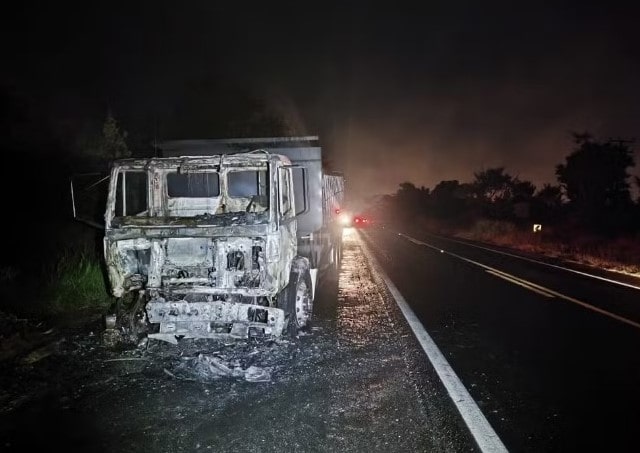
(395, 92)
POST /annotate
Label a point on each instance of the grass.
(77, 283)
(59, 276)
(619, 254)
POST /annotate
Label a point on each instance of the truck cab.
(209, 243)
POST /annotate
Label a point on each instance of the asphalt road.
(356, 382)
(551, 357)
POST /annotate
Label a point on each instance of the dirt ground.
(355, 381)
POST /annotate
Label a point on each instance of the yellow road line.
(519, 283)
(529, 284)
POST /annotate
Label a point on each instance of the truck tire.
(336, 258)
(297, 302)
(338, 252)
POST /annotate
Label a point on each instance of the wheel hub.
(303, 304)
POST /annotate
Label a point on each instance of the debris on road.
(20, 337)
(256, 374)
(208, 368)
(42, 352)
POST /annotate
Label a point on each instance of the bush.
(77, 283)
(495, 231)
(568, 242)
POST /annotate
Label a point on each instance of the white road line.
(585, 274)
(481, 430)
(534, 285)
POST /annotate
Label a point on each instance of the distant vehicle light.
(344, 219)
(360, 221)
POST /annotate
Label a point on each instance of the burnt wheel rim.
(303, 304)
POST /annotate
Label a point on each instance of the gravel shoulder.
(355, 381)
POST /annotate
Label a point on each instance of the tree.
(550, 196)
(594, 176)
(548, 203)
(499, 193)
(493, 184)
(448, 200)
(522, 190)
(445, 190)
(114, 145)
(110, 144)
(410, 201)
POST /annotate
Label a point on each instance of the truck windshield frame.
(197, 184)
(200, 194)
(250, 184)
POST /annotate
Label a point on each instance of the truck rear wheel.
(297, 302)
(333, 264)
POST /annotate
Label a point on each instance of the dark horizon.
(421, 95)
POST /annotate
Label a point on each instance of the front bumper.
(213, 319)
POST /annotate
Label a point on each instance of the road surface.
(550, 354)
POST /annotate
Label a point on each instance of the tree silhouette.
(498, 192)
(493, 184)
(448, 199)
(594, 178)
(548, 203)
(550, 196)
(410, 201)
(110, 144)
(445, 190)
(522, 190)
(113, 143)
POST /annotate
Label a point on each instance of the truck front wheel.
(297, 302)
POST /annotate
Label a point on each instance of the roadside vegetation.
(621, 254)
(76, 280)
(589, 216)
(77, 283)
(53, 268)
(52, 265)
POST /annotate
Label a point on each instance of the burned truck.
(223, 237)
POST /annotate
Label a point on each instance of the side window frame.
(286, 212)
(121, 192)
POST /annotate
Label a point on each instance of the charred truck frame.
(223, 237)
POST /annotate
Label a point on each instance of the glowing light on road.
(345, 219)
(348, 234)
